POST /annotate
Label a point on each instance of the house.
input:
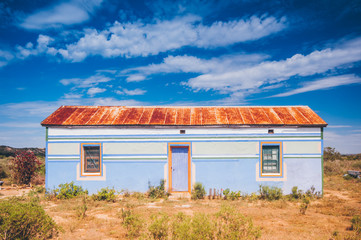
(222, 147)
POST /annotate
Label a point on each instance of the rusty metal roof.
(183, 116)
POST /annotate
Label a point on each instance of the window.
(271, 158)
(91, 159)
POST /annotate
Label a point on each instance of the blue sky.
(109, 52)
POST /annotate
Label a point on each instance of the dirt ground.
(326, 218)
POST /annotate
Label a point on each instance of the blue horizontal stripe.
(135, 161)
(187, 135)
(189, 140)
(217, 160)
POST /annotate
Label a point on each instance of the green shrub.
(231, 195)
(198, 191)
(270, 193)
(330, 154)
(356, 224)
(137, 195)
(157, 191)
(105, 194)
(25, 220)
(133, 223)
(305, 204)
(233, 225)
(296, 193)
(68, 190)
(159, 226)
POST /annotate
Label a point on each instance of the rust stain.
(285, 116)
(85, 116)
(259, 116)
(121, 116)
(186, 116)
(75, 115)
(272, 115)
(310, 115)
(59, 116)
(170, 117)
(145, 118)
(209, 116)
(221, 116)
(158, 117)
(133, 116)
(233, 115)
(246, 115)
(197, 116)
(179, 116)
(298, 116)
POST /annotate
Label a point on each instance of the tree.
(330, 154)
(24, 166)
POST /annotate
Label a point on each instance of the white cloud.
(42, 47)
(67, 13)
(86, 82)
(225, 33)
(272, 72)
(134, 92)
(92, 91)
(191, 64)
(5, 57)
(28, 132)
(72, 96)
(139, 39)
(323, 84)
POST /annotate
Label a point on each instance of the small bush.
(270, 193)
(137, 195)
(296, 193)
(231, 195)
(305, 204)
(330, 154)
(157, 191)
(3, 173)
(133, 223)
(105, 194)
(356, 224)
(68, 190)
(181, 226)
(23, 167)
(357, 165)
(81, 210)
(159, 226)
(233, 225)
(226, 224)
(198, 191)
(25, 220)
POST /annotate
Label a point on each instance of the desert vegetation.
(69, 212)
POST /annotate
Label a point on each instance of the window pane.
(91, 159)
(270, 159)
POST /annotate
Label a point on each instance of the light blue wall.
(119, 175)
(213, 172)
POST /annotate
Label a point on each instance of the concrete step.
(180, 195)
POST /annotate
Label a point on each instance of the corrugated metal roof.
(185, 116)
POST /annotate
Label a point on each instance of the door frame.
(172, 145)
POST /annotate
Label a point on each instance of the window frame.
(82, 162)
(280, 159)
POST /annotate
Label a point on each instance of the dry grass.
(326, 218)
